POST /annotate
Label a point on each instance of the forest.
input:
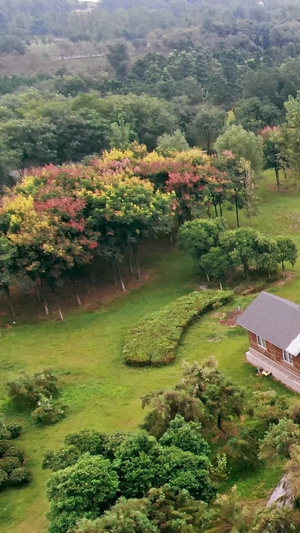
(149, 190)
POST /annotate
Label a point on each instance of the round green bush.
(3, 478)
(8, 464)
(4, 446)
(20, 476)
(15, 430)
(15, 451)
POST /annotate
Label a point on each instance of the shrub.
(26, 390)
(3, 478)
(63, 458)
(8, 464)
(88, 441)
(20, 476)
(153, 341)
(15, 430)
(15, 451)
(48, 411)
(4, 445)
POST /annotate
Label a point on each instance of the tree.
(240, 245)
(266, 253)
(121, 135)
(124, 517)
(279, 439)
(292, 471)
(267, 407)
(274, 520)
(198, 237)
(8, 255)
(206, 127)
(273, 155)
(286, 251)
(216, 264)
(118, 57)
(254, 114)
(138, 466)
(222, 398)
(85, 489)
(168, 144)
(243, 144)
(229, 514)
(165, 510)
(186, 436)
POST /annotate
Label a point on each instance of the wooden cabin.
(273, 324)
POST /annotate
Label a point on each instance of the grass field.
(103, 393)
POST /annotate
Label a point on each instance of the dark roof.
(275, 319)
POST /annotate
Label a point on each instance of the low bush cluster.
(153, 341)
(12, 457)
(38, 391)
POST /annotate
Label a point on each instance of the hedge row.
(153, 341)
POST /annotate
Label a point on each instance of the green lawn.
(105, 394)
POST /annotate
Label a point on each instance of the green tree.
(229, 514)
(199, 236)
(167, 143)
(286, 251)
(216, 264)
(240, 244)
(165, 510)
(186, 436)
(274, 520)
(137, 464)
(118, 57)
(279, 439)
(84, 490)
(207, 126)
(243, 144)
(121, 135)
(254, 114)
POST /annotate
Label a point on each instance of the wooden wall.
(274, 353)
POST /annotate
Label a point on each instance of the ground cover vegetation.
(154, 340)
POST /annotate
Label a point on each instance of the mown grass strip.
(153, 341)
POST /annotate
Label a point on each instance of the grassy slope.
(105, 394)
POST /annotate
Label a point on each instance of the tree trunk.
(137, 266)
(11, 306)
(112, 268)
(207, 277)
(79, 303)
(61, 316)
(216, 210)
(219, 421)
(277, 179)
(120, 277)
(237, 213)
(130, 263)
(221, 286)
(221, 210)
(246, 272)
(283, 269)
(46, 309)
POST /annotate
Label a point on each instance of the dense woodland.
(162, 131)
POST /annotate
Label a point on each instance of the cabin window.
(261, 342)
(288, 357)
